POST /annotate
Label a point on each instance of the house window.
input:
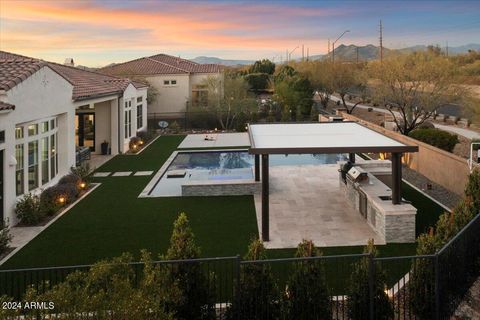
(130, 104)
(32, 165)
(32, 129)
(128, 123)
(173, 82)
(44, 127)
(18, 132)
(53, 156)
(19, 169)
(52, 124)
(139, 99)
(2, 136)
(166, 82)
(139, 116)
(44, 158)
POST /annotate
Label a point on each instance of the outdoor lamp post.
(290, 54)
(333, 45)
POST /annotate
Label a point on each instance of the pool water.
(225, 165)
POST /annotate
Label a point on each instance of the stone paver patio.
(306, 202)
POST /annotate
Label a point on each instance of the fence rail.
(447, 275)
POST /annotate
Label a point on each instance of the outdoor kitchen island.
(372, 199)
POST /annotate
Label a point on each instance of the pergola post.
(257, 167)
(265, 200)
(396, 177)
(351, 157)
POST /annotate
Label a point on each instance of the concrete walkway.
(469, 134)
(307, 202)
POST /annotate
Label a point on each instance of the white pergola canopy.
(321, 137)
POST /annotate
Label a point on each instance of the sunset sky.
(97, 33)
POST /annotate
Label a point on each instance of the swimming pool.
(189, 167)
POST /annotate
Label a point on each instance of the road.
(467, 133)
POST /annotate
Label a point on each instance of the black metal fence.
(446, 277)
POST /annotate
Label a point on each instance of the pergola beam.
(265, 200)
(257, 167)
(396, 178)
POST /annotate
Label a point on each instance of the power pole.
(381, 41)
(357, 54)
(286, 55)
(303, 52)
(328, 48)
(308, 53)
(447, 49)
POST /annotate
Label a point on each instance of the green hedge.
(437, 138)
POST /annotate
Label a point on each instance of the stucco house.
(47, 110)
(178, 82)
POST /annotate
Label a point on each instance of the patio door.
(86, 130)
(2, 191)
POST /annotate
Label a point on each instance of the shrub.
(49, 204)
(174, 127)
(108, 289)
(437, 138)
(358, 296)
(256, 296)
(422, 279)
(241, 122)
(307, 292)
(83, 172)
(188, 296)
(426, 125)
(69, 179)
(145, 135)
(258, 81)
(472, 189)
(5, 238)
(28, 210)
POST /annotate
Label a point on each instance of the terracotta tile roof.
(159, 64)
(86, 84)
(6, 106)
(13, 71)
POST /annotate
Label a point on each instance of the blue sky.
(97, 32)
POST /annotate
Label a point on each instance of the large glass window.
(139, 116)
(44, 127)
(32, 129)
(53, 156)
(18, 132)
(32, 165)
(19, 172)
(44, 157)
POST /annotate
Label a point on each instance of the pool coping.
(156, 178)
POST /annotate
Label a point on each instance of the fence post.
(237, 286)
(437, 287)
(185, 121)
(371, 285)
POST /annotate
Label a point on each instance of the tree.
(307, 294)
(294, 92)
(358, 297)
(348, 78)
(229, 98)
(188, 296)
(414, 86)
(256, 295)
(262, 66)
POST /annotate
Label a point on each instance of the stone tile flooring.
(122, 174)
(101, 174)
(306, 202)
(143, 173)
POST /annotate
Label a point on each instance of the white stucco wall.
(171, 98)
(44, 94)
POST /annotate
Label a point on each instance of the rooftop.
(320, 137)
(159, 64)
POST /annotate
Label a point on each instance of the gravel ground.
(470, 306)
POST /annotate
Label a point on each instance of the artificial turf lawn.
(112, 220)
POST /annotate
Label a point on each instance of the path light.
(134, 147)
(61, 200)
(140, 142)
(82, 185)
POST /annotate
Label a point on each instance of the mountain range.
(346, 53)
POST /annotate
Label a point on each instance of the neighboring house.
(179, 83)
(47, 110)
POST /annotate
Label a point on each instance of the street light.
(333, 45)
(290, 53)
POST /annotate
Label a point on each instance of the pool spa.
(220, 172)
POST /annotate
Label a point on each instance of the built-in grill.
(357, 174)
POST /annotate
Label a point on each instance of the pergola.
(320, 137)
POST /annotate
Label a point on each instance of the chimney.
(69, 62)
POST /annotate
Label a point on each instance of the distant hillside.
(349, 53)
(451, 50)
(224, 62)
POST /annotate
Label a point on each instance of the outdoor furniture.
(82, 154)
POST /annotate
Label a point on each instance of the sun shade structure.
(320, 137)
